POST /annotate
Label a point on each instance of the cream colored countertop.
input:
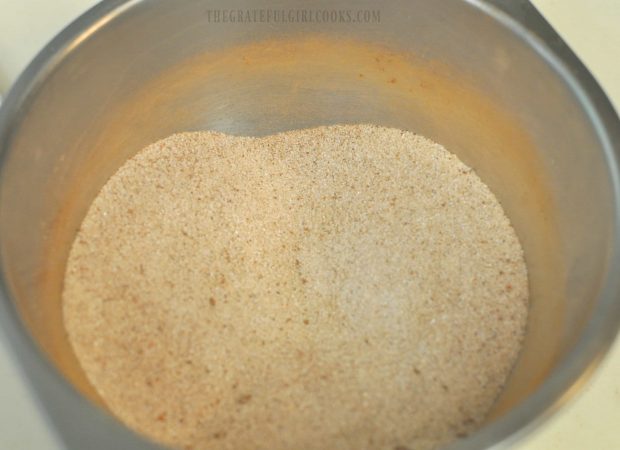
(591, 28)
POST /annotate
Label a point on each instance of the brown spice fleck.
(244, 399)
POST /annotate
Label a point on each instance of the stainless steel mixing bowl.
(488, 78)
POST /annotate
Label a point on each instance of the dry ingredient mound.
(343, 287)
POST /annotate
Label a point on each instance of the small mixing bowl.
(489, 79)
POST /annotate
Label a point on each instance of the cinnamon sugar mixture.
(343, 287)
